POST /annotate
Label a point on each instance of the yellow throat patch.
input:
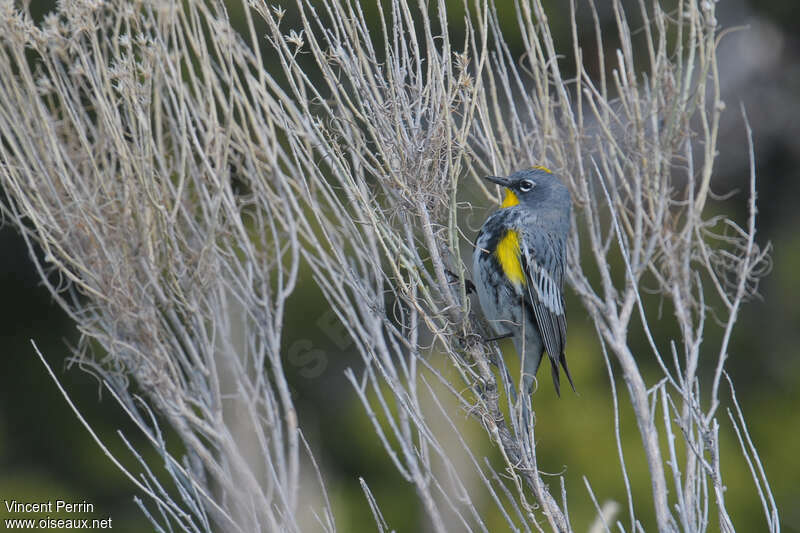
(510, 200)
(507, 253)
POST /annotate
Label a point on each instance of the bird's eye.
(525, 185)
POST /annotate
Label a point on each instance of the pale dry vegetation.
(177, 173)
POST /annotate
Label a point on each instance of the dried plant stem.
(179, 176)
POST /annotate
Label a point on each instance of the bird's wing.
(544, 273)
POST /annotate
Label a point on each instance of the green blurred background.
(45, 454)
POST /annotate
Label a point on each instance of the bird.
(518, 267)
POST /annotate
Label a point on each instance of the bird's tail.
(555, 371)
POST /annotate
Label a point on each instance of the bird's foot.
(468, 285)
(499, 337)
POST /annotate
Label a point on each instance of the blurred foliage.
(46, 454)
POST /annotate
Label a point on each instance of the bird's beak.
(505, 182)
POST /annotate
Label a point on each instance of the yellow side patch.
(540, 167)
(510, 200)
(507, 253)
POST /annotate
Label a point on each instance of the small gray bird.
(518, 267)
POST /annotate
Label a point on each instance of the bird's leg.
(499, 337)
(469, 286)
(493, 339)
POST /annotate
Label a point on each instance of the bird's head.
(535, 187)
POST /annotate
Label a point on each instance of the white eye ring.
(526, 185)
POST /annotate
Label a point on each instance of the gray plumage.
(529, 304)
